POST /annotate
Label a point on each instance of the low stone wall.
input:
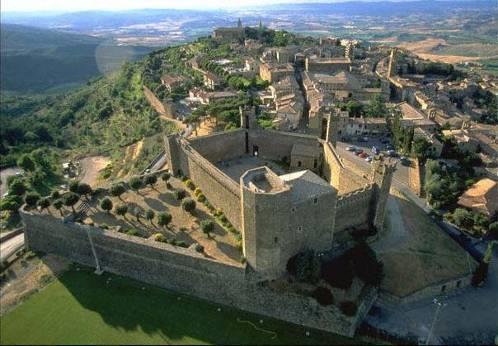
(450, 287)
(182, 270)
(415, 177)
(220, 146)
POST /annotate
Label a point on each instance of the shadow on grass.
(167, 317)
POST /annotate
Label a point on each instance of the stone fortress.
(312, 203)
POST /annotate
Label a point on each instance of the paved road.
(11, 246)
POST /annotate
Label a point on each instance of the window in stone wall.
(300, 229)
(275, 240)
(459, 282)
(443, 288)
(315, 200)
(299, 163)
(293, 209)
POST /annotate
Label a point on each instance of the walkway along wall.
(184, 271)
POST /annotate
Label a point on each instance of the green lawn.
(83, 308)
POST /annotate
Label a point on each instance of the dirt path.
(28, 275)
(90, 168)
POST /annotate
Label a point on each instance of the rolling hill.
(41, 60)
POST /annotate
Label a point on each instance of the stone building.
(281, 213)
(273, 72)
(327, 65)
(230, 34)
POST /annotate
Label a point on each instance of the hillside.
(34, 59)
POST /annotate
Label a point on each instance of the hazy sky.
(78, 5)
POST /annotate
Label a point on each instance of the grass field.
(83, 308)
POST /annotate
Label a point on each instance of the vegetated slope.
(34, 59)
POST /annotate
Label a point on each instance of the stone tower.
(172, 153)
(265, 206)
(331, 133)
(391, 69)
(381, 176)
(239, 23)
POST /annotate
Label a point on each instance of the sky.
(82, 5)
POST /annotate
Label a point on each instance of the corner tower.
(381, 176)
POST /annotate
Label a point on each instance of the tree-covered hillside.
(34, 59)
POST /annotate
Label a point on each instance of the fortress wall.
(353, 209)
(221, 191)
(332, 168)
(184, 271)
(277, 145)
(220, 146)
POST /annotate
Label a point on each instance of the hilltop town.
(311, 180)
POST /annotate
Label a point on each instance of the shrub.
(44, 203)
(323, 296)
(17, 187)
(31, 199)
(218, 212)
(199, 248)
(308, 267)
(201, 198)
(149, 215)
(181, 243)
(11, 203)
(190, 184)
(348, 308)
(223, 218)
(197, 192)
(150, 180)
(165, 176)
(480, 274)
(169, 186)
(122, 209)
(163, 219)
(74, 186)
(160, 237)
(55, 195)
(106, 204)
(133, 232)
(463, 218)
(104, 226)
(207, 226)
(180, 194)
(493, 229)
(135, 183)
(338, 272)
(117, 190)
(188, 204)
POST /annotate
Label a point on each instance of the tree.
(135, 183)
(463, 218)
(44, 203)
(122, 210)
(421, 148)
(106, 204)
(17, 187)
(84, 190)
(74, 186)
(31, 199)
(163, 219)
(11, 203)
(58, 205)
(165, 176)
(180, 194)
(207, 226)
(376, 108)
(323, 296)
(26, 163)
(493, 229)
(308, 267)
(150, 180)
(188, 204)
(70, 199)
(149, 215)
(117, 190)
(55, 195)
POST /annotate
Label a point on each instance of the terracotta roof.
(482, 197)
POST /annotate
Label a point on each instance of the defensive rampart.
(183, 270)
(354, 209)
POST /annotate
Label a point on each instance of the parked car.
(391, 153)
(369, 159)
(375, 150)
(365, 139)
(363, 155)
(353, 149)
(358, 152)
